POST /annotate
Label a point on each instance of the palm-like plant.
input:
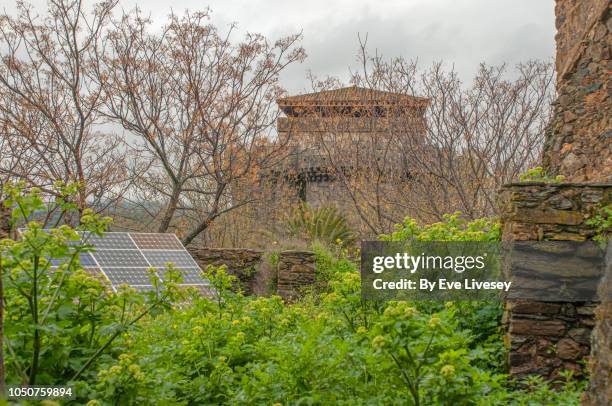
(323, 224)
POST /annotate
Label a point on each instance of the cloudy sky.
(462, 33)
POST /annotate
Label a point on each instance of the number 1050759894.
(37, 392)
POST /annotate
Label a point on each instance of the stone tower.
(338, 130)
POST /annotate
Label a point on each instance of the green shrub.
(332, 347)
(323, 224)
(453, 228)
(602, 223)
(538, 174)
(60, 321)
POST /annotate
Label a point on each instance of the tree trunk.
(170, 210)
(5, 230)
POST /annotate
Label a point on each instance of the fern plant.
(323, 224)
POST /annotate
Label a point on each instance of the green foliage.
(323, 224)
(453, 228)
(538, 174)
(534, 390)
(60, 322)
(336, 351)
(481, 318)
(602, 223)
(328, 263)
(332, 347)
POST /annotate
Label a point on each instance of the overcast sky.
(459, 32)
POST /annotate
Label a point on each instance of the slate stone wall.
(533, 211)
(241, 262)
(294, 271)
(578, 141)
(600, 383)
(546, 338)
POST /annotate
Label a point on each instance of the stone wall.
(546, 338)
(600, 385)
(242, 263)
(551, 211)
(578, 141)
(296, 271)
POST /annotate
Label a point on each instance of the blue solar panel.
(128, 276)
(190, 276)
(179, 259)
(117, 241)
(86, 259)
(125, 258)
(120, 258)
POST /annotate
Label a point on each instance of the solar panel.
(120, 258)
(125, 258)
(178, 258)
(151, 241)
(116, 241)
(190, 275)
(85, 259)
(128, 276)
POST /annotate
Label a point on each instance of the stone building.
(338, 133)
(579, 139)
(547, 337)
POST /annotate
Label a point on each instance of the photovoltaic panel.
(115, 241)
(161, 258)
(128, 276)
(120, 258)
(85, 259)
(151, 241)
(125, 258)
(190, 275)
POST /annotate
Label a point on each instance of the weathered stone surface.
(568, 349)
(524, 307)
(5, 215)
(600, 383)
(296, 271)
(555, 328)
(541, 221)
(581, 335)
(573, 146)
(240, 262)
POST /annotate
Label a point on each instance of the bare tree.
(49, 101)
(448, 149)
(202, 108)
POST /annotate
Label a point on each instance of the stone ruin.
(349, 118)
(547, 337)
(292, 272)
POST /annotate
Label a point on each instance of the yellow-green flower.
(434, 321)
(115, 369)
(378, 342)
(410, 311)
(447, 370)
